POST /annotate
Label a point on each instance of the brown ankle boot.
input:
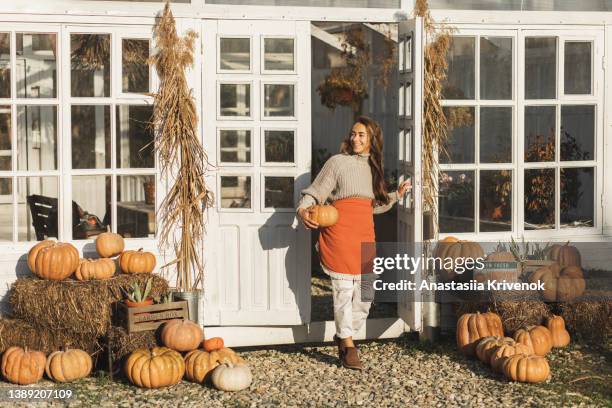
(350, 358)
(341, 347)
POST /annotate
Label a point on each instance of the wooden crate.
(531, 265)
(136, 319)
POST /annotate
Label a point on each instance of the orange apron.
(340, 246)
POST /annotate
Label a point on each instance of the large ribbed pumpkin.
(109, 244)
(137, 261)
(506, 350)
(68, 365)
(565, 255)
(560, 284)
(35, 250)
(158, 367)
(94, 269)
(559, 335)
(536, 337)
(453, 250)
(182, 335)
(471, 327)
(23, 367)
(488, 345)
(56, 261)
(530, 369)
(324, 215)
(199, 363)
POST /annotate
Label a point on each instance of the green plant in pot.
(137, 297)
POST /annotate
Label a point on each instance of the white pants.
(350, 313)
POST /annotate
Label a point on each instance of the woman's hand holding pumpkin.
(304, 215)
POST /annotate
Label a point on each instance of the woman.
(354, 182)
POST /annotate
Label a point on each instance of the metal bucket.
(193, 303)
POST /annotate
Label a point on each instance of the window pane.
(235, 145)
(5, 65)
(279, 146)
(36, 137)
(577, 132)
(279, 192)
(236, 191)
(495, 68)
(577, 197)
(461, 69)
(37, 209)
(90, 65)
(539, 199)
(5, 138)
(456, 201)
(36, 65)
(235, 100)
(6, 209)
(496, 135)
(540, 67)
(91, 133)
(134, 136)
(91, 208)
(135, 69)
(278, 54)
(577, 68)
(539, 133)
(136, 206)
(495, 200)
(460, 142)
(279, 100)
(235, 53)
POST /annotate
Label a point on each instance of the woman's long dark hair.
(376, 157)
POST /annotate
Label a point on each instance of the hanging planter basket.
(336, 90)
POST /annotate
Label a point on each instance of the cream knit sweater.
(343, 176)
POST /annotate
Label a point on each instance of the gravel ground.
(399, 372)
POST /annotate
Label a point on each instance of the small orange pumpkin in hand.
(212, 344)
(324, 215)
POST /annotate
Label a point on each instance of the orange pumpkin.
(560, 284)
(213, 344)
(453, 250)
(531, 369)
(506, 350)
(137, 262)
(23, 367)
(94, 269)
(559, 335)
(536, 337)
(35, 250)
(68, 365)
(182, 335)
(471, 327)
(155, 368)
(565, 255)
(324, 215)
(199, 364)
(488, 345)
(109, 244)
(56, 261)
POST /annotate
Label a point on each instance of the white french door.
(256, 130)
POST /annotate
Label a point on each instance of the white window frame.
(264, 162)
(236, 173)
(236, 164)
(263, 69)
(262, 198)
(235, 71)
(262, 100)
(252, 91)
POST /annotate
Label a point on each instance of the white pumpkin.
(232, 377)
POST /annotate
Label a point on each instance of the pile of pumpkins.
(165, 366)
(54, 260)
(520, 358)
(23, 366)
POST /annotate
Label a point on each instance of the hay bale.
(121, 343)
(74, 306)
(16, 332)
(589, 318)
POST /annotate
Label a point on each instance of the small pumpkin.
(182, 335)
(155, 368)
(560, 284)
(453, 250)
(503, 266)
(137, 261)
(33, 252)
(56, 261)
(488, 345)
(232, 377)
(559, 335)
(213, 344)
(565, 255)
(68, 365)
(109, 244)
(523, 368)
(324, 215)
(536, 337)
(95, 269)
(199, 363)
(471, 327)
(22, 366)
(506, 350)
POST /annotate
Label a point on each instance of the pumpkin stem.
(139, 249)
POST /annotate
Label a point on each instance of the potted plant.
(135, 297)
